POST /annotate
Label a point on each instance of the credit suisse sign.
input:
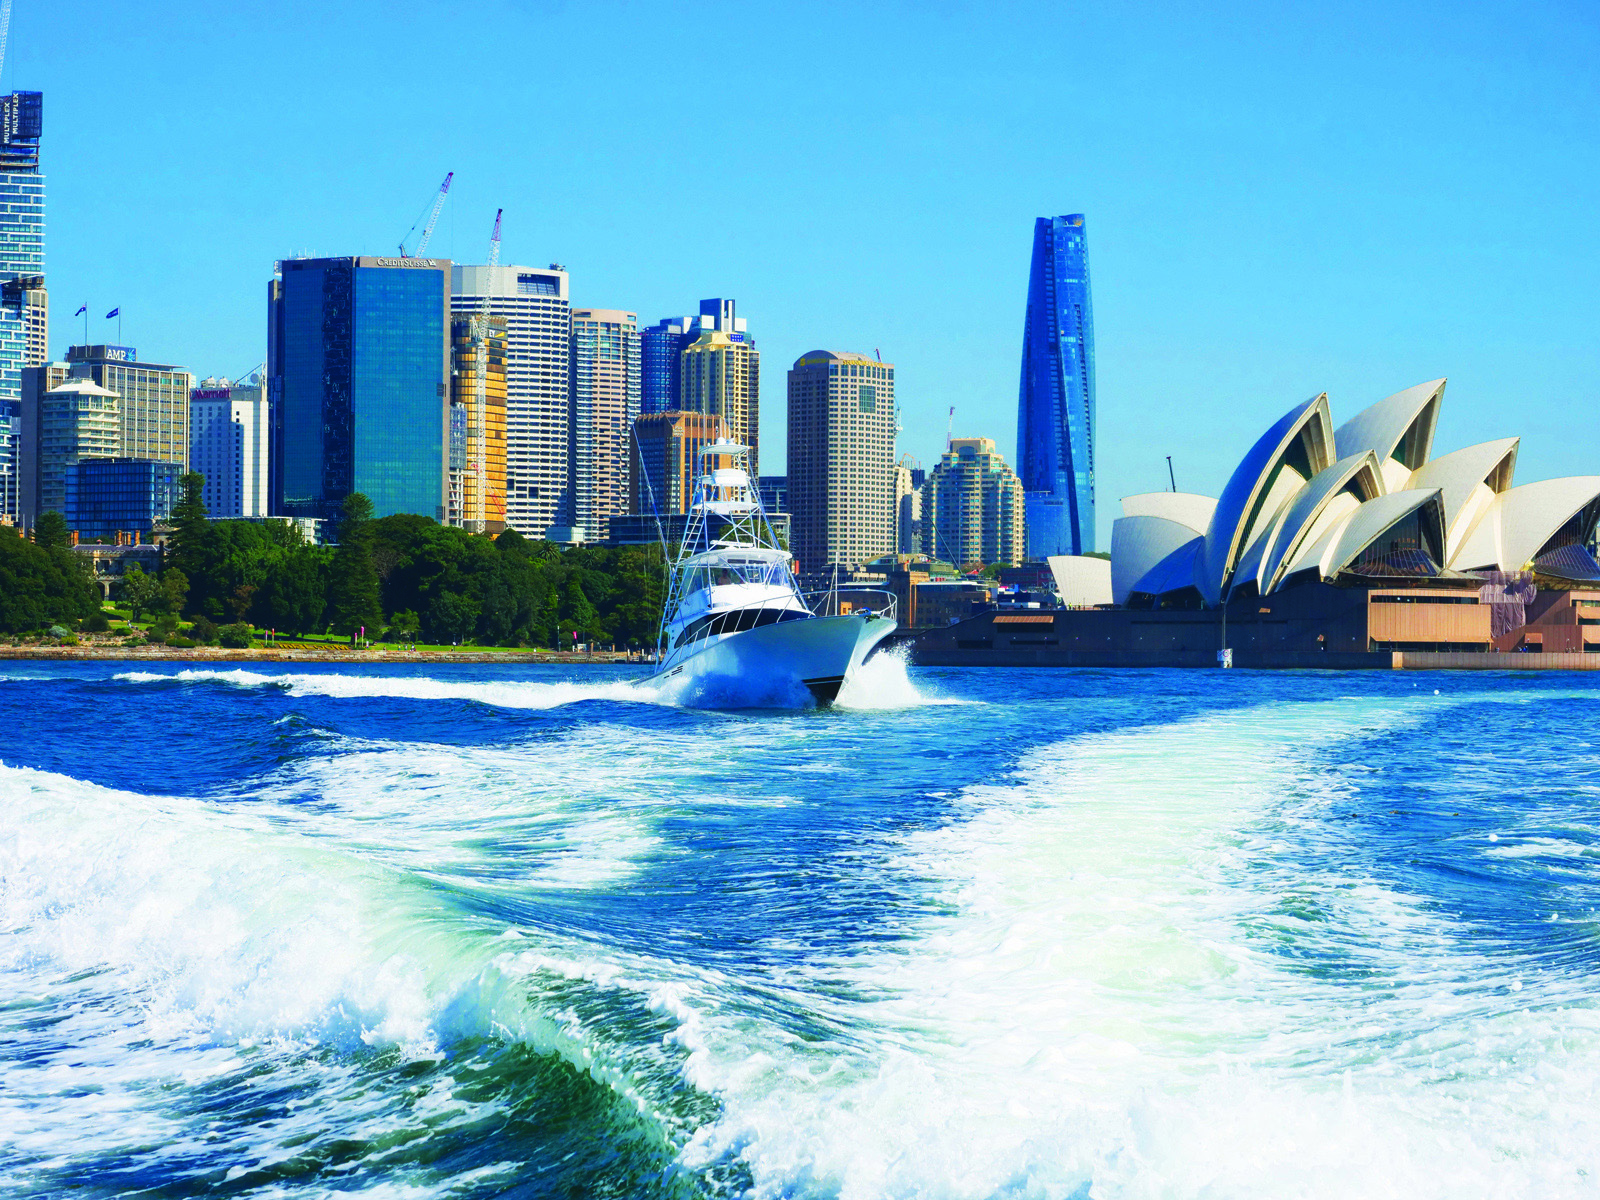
(429, 263)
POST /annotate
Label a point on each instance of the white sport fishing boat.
(733, 609)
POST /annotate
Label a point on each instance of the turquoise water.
(541, 932)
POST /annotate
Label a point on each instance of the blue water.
(483, 931)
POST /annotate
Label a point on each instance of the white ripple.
(1104, 1013)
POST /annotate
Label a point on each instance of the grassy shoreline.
(216, 654)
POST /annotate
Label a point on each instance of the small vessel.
(734, 611)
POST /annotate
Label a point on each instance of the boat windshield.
(734, 571)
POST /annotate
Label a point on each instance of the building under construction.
(478, 423)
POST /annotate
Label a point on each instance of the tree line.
(400, 578)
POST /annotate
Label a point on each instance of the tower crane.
(433, 215)
(480, 337)
(5, 30)
(950, 429)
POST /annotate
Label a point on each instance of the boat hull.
(818, 653)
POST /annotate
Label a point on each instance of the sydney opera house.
(1353, 542)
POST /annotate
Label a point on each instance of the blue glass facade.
(21, 269)
(359, 366)
(1055, 406)
(106, 496)
(661, 364)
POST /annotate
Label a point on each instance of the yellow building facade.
(477, 498)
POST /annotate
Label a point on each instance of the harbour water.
(475, 931)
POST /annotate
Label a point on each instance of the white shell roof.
(1368, 523)
(1249, 568)
(1138, 544)
(1459, 473)
(1184, 507)
(1172, 573)
(1522, 520)
(1081, 580)
(1300, 518)
(1383, 427)
(1238, 512)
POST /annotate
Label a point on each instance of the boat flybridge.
(734, 610)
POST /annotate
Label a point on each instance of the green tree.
(141, 591)
(190, 526)
(403, 627)
(51, 532)
(509, 541)
(174, 591)
(550, 625)
(354, 599)
(451, 617)
(39, 585)
(577, 614)
(295, 592)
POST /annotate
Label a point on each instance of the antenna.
(950, 429)
(1170, 475)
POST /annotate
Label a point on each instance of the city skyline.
(1335, 245)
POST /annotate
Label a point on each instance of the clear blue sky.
(1281, 199)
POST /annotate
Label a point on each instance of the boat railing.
(844, 601)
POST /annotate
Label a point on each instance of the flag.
(113, 313)
(81, 311)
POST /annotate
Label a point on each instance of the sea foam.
(1120, 1004)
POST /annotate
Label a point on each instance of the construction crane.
(480, 414)
(433, 215)
(5, 30)
(950, 429)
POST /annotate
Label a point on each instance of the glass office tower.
(106, 496)
(661, 363)
(1055, 406)
(359, 369)
(21, 277)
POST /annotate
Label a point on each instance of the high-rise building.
(77, 420)
(666, 451)
(228, 437)
(1055, 405)
(661, 363)
(841, 459)
(605, 404)
(154, 399)
(534, 303)
(478, 437)
(35, 325)
(36, 381)
(106, 496)
(358, 365)
(774, 491)
(722, 377)
(972, 507)
(21, 278)
(908, 480)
